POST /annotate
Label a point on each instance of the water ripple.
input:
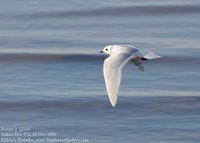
(17, 58)
(114, 11)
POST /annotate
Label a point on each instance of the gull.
(119, 55)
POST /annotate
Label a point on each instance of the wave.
(100, 103)
(50, 57)
(116, 11)
(85, 58)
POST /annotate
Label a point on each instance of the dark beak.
(101, 52)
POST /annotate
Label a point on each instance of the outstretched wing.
(137, 62)
(112, 74)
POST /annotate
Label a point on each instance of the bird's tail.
(149, 56)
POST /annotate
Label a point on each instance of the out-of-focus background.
(51, 70)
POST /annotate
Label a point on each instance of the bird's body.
(113, 65)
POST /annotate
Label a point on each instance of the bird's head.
(107, 49)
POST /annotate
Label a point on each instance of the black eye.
(106, 49)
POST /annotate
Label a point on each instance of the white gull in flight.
(113, 65)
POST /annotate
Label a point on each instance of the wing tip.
(113, 104)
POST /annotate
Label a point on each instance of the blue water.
(51, 71)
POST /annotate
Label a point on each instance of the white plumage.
(113, 65)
